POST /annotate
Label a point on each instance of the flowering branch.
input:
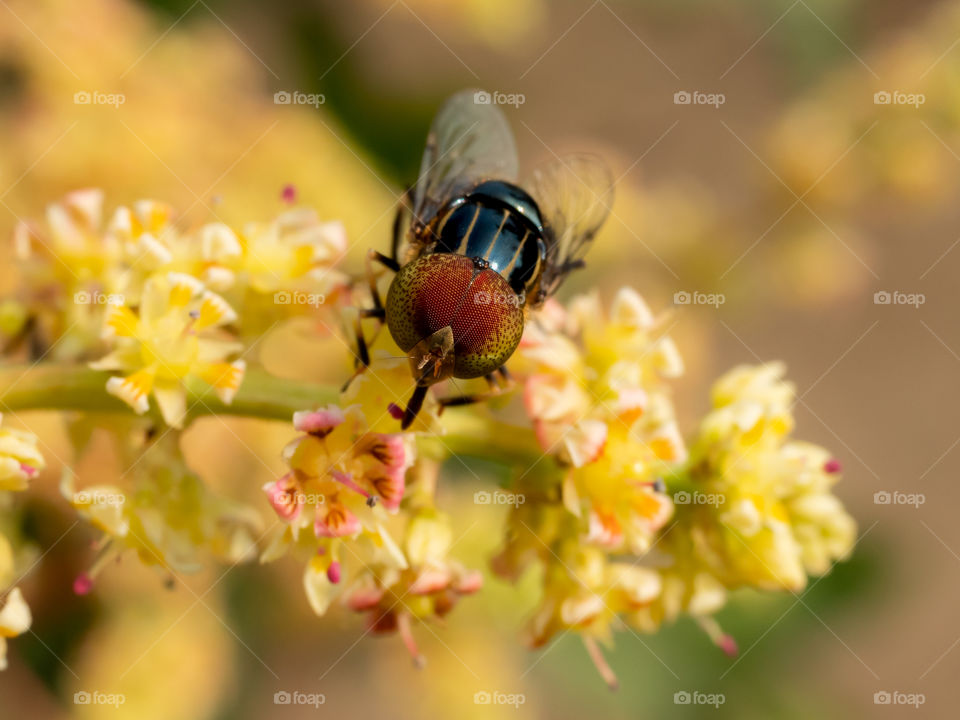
(148, 320)
(69, 386)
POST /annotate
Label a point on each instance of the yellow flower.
(429, 585)
(168, 516)
(294, 250)
(596, 392)
(15, 620)
(757, 508)
(172, 337)
(20, 460)
(344, 482)
(588, 370)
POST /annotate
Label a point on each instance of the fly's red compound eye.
(440, 290)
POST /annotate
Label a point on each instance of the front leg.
(377, 311)
(496, 389)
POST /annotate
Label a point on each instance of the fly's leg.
(402, 207)
(496, 388)
(413, 406)
(377, 311)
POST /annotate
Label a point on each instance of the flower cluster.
(774, 519)
(79, 268)
(631, 527)
(20, 461)
(627, 525)
(345, 488)
(165, 513)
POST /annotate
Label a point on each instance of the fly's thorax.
(499, 223)
(442, 295)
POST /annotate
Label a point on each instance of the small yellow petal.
(172, 401)
(133, 389)
(182, 288)
(15, 615)
(214, 311)
(225, 378)
(120, 321)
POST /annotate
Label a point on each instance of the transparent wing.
(469, 141)
(575, 193)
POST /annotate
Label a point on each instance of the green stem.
(52, 386)
(59, 386)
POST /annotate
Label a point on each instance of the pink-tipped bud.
(396, 412)
(832, 466)
(318, 422)
(728, 645)
(83, 584)
(333, 572)
(289, 194)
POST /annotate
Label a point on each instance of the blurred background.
(798, 158)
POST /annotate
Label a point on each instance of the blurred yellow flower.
(169, 339)
(15, 620)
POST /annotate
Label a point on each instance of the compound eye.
(488, 326)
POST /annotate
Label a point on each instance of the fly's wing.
(469, 141)
(574, 193)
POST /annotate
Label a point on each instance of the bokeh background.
(798, 199)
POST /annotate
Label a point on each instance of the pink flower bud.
(333, 572)
(83, 584)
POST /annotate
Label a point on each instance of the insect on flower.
(480, 250)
